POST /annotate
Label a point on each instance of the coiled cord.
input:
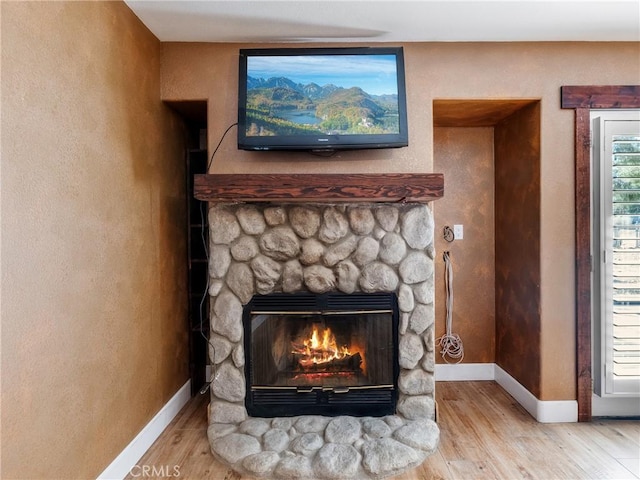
(450, 344)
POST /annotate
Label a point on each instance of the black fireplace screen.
(331, 354)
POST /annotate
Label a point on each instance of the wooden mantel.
(391, 187)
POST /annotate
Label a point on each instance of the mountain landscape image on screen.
(280, 106)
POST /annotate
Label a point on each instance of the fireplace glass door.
(330, 354)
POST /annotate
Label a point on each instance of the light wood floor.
(485, 434)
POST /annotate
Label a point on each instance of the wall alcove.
(489, 150)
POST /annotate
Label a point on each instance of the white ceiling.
(368, 21)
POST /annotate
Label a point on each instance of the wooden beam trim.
(583, 262)
(600, 96)
(319, 188)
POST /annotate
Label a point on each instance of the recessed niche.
(489, 152)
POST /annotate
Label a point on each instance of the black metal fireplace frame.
(373, 401)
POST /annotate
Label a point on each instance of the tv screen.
(322, 99)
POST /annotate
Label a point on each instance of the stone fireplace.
(263, 254)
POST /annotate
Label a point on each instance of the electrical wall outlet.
(458, 232)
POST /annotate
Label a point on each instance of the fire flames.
(320, 348)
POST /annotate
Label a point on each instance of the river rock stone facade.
(267, 248)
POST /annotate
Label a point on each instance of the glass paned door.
(620, 239)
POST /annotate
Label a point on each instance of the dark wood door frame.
(583, 99)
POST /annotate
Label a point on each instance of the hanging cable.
(450, 343)
(219, 143)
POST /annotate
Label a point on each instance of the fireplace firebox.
(330, 354)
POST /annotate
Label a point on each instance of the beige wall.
(517, 231)
(93, 250)
(465, 157)
(441, 71)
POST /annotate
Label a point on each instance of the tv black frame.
(322, 142)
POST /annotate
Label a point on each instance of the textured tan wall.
(517, 230)
(448, 71)
(465, 157)
(93, 251)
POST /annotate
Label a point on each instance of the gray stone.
(251, 220)
(215, 287)
(237, 356)
(334, 225)
(404, 322)
(394, 421)
(228, 383)
(343, 430)
(375, 427)
(417, 227)
(386, 456)
(235, 446)
(405, 298)
(311, 423)
(267, 273)
(361, 220)
(429, 363)
(416, 268)
(411, 350)
(416, 407)
(416, 382)
(347, 274)
(340, 251)
(431, 251)
(378, 233)
(217, 430)
(311, 251)
(306, 444)
(366, 252)
(423, 434)
(225, 412)
(319, 279)
(227, 315)
(240, 281)
(244, 249)
(219, 260)
(378, 277)
(421, 318)
(283, 423)
(292, 276)
(337, 461)
(261, 463)
(275, 216)
(425, 291)
(428, 338)
(276, 440)
(392, 248)
(304, 221)
(225, 228)
(219, 348)
(294, 467)
(255, 427)
(280, 243)
(387, 217)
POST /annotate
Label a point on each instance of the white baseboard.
(457, 372)
(544, 411)
(122, 465)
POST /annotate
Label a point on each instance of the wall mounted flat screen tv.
(322, 99)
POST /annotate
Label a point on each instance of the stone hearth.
(263, 248)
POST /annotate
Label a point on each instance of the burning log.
(347, 363)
